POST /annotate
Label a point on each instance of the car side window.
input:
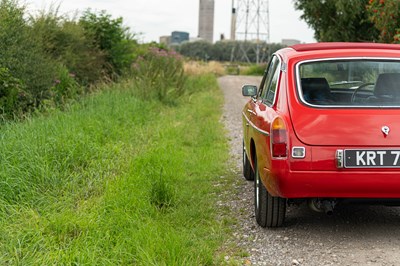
(271, 82)
(272, 88)
(267, 76)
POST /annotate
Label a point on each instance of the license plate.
(372, 158)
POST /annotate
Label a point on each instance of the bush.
(65, 87)
(159, 75)
(22, 55)
(199, 50)
(64, 40)
(48, 59)
(112, 38)
(13, 97)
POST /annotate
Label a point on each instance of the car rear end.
(344, 128)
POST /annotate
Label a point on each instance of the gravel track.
(353, 235)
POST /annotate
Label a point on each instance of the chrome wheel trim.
(244, 157)
(257, 190)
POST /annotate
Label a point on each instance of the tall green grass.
(114, 181)
(159, 75)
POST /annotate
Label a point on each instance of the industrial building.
(165, 40)
(206, 20)
(178, 37)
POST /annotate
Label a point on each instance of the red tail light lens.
(278, 138)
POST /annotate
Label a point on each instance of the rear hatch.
(347, 127)
(345, 138)
(347, 102)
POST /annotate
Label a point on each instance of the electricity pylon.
(250, 23)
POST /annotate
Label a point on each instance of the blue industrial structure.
(178, 37)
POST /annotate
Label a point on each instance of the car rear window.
(349, 83)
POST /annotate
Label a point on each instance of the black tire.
(270, 211)
(248, 172)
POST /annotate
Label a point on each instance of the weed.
(65, 87)
(161, 193)
(159, 75)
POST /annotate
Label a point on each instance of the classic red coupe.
(324, 128)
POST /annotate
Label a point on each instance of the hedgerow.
(55, 58)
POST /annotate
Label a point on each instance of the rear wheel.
(248, 172)
(270, 211)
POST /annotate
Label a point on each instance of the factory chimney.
(206, 20)
(233, 22)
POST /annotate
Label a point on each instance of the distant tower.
(251, 24)
(233, 22)
(206, 20)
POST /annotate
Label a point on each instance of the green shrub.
(14, 99)
(159, 75)
(53, 57)
(22, 55)
(65, 87)
(64, 40)
(200, 50)
(112, 38)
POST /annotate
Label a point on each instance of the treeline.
(228, 51)
(48, 58)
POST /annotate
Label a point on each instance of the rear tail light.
(278, 138)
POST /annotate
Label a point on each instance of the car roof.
(338, 49)
(343, 45)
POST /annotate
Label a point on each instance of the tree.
(385, 15)
(226, 50)
(201, 50)
(338, 20)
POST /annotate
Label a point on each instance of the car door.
(263, 113)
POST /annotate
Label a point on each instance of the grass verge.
(115, 181)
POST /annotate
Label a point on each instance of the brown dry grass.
(200, 68)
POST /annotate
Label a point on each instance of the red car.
(324, 128)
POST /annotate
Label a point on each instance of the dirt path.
(354, 235)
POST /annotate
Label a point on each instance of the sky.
(150, 19)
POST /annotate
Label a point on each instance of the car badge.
(385, 130)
